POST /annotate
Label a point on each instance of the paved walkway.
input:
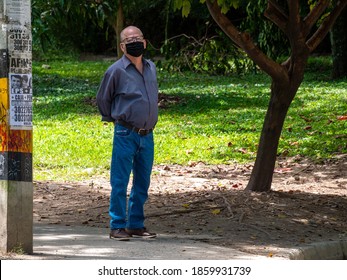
(87, 244)
(61, 242)
(57, 242)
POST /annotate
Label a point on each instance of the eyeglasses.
(132, 39)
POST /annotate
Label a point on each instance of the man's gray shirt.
(126, 94)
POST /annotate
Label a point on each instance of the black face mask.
(135, 49)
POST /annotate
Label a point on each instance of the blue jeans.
(131, 152)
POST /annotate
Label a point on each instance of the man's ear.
(145, 44)
(122, 47)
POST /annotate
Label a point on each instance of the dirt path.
(307, 204)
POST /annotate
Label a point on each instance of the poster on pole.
(18, 10)
(21, 101)
(20, 77)
(19, 41)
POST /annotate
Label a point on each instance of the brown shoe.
(119, 234)
(140, 232)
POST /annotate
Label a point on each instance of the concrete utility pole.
(16, 172)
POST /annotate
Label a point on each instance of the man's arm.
(105, 97)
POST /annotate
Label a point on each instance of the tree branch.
(311, 19)
(183, 211)
(244, 41)
(294, 12)
(294, 25)
(274, 13)
(324, 28)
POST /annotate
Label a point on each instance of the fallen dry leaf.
(216, 211)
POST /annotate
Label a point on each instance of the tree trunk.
(282, 95)
(119, 26)
(338, 38)
(262, 172)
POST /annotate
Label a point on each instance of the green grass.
(213, 119)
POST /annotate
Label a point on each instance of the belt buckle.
(142, 131)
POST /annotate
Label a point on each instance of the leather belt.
(140, 131)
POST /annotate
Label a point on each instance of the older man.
(128, 97)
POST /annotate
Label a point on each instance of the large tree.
(304, 32)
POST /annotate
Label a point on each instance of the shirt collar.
(126, 61)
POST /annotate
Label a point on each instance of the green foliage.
(89, 26)
(18, 249)
(184, 5)
(213, 119)
(70, 23)
(225, 5)
(215, 55)
(265, 34)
